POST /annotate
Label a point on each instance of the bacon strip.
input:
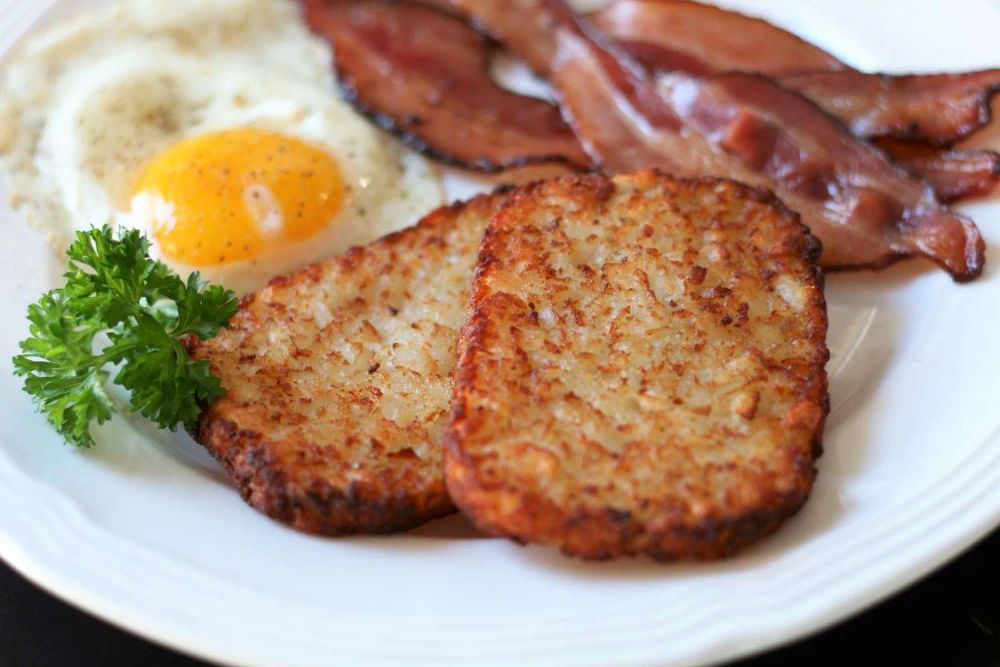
(954, 175)
(514, 23)
(703, 39)
(438, 95)
(423, 75)
(938, 109)
(867, 212)
(699, 39)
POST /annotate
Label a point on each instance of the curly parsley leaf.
(115, 290)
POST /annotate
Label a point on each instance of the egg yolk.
(227, 196)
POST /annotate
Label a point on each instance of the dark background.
(951, 618)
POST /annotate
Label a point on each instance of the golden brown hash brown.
(338, 380)
(643, 370)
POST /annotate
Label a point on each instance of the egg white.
(86, 107)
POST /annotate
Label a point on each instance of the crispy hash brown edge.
(603, 533)
(262, 478)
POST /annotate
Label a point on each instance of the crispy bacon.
(695, 46)
(394, 75)
(867, 212)
(424, 75)
(514, 23)
(954, 174)
(702, 39)
(938, 109)
(699, 39)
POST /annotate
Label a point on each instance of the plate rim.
(102, 605)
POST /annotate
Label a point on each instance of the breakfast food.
(440, 97)
(868, 212)
(213, 127)
(339, 379)
(484, 126)
(642, 370)
(443, 100)
(701, 39)
(954, 174)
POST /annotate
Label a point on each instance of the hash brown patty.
(338, 380)
(643, 370)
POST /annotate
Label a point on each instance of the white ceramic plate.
(152, 538)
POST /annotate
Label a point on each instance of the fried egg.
(213, 127)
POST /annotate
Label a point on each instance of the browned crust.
(293, 481)
(318, 508)
(611, 533)
(608, 531)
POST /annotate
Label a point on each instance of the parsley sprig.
(122, 308)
